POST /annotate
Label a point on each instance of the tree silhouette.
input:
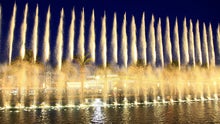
(82, 62)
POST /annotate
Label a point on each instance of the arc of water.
(159, 45)
(11, 34)
(142, 42)
(211, 47)
(59, 42)
(46, 42)
(133, 48)
(35, 36)
(151, 43)
(176, 47)
(168, 47)
(23, 33)
(114, 42)
(91, 47)
(103, 45)
(81, 40)
(191, 45)
(70, 51)
(124, 51)
(198, 52)
(185, 49)
(205, 54)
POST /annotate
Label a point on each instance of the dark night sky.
(206, 11)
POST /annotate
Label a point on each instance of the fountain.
(35, 36)
(156, 70)
(11, 34)
(184, 50)
(167, 44)
(159, 45)
(151, 44)
(23, 33)
(91, 45)
(124, 47)
(198, 53)
(133, 46)
(103, 41)
(191, 45)
(114, 42)
(142, 42)
(205, 55)
(46, 42)
(70, 51)
(59, 42)
(176, 48)
(81, 40)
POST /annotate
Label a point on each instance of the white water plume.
(133, 48)
(142, 42)
(176, 47)
(191, 44)
(151, 43)
(70, 51)
(205, 54)
(91, 46)
(211, 47)
(11, 34)
(159, 45)
(198, 53)
(46, 41)
(168, 47)
(185, 49)
(124, 49)
(23, 33)
(59, 42)
(81, 40)
(35, 36)
(114, 42)
(103, 41)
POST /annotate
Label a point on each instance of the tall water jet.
(46, 41)
(176, 47)
(103, 41)
(211, 47)
(59, 42)
(142, 42)
(23, 33)
(185, 49)
(91, 47)
(159, 45)
(11, 34)
(205, 54)
(218, 44)
(133, 45)
(35, 36)
(198, 53)
(191, 45)
(124, 47)
(168, 47)
(151, 44)
(81, 40)
(114, 42)
(70, 50)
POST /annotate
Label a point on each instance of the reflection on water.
(192, 112)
